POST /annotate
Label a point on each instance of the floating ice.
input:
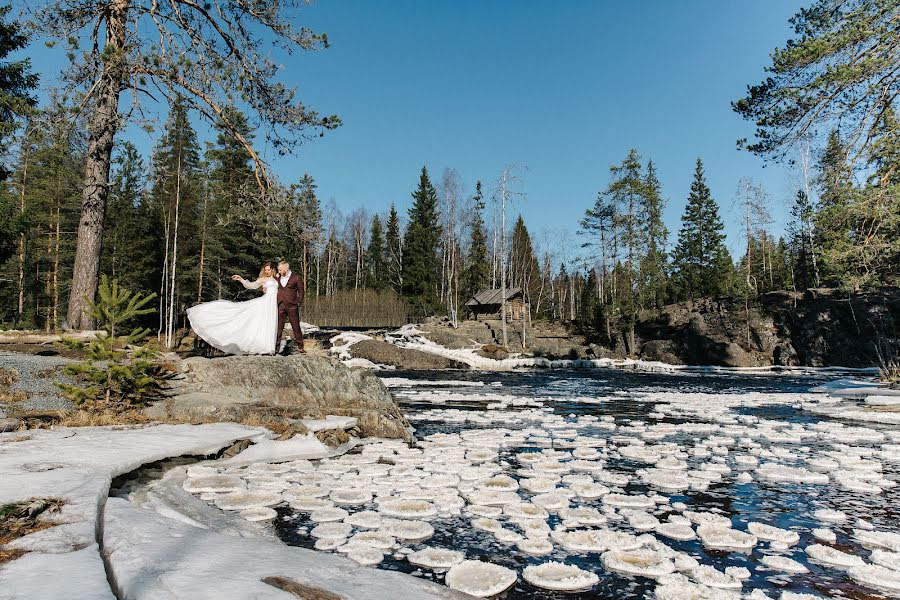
(350, 496)
(826, 535)
(248, 499)
(584, 515)
(626, 501)
(486, 524)
(376, 539)
(560, 577)
(365, 555)
(309, 504)
(539, 485)
(643, 562)
(411, 531)
(365, 519)
(876, 576)
(436, 558)
(741, 573)
(779, 473)
(498, 483)
(407, 509)
(259, 514)
(885, 540)
(712, 577)
(783, 563)
(707, 518)
(480, 579)
(328, 514)
(484, 511)
(723, 538)
(213, 483)
(526, 510)
(676, 531)
(891, 560)
(535, 546)
(826, 555)
(771, 533)
(595, 540)
(551, 501)
(331, 531)
(830, 516)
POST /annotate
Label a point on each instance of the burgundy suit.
(290, 297)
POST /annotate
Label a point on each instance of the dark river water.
(628, 397)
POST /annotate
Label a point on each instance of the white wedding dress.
(240, 327)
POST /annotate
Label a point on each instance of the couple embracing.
(254, 326)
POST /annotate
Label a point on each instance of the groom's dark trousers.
(290, 297)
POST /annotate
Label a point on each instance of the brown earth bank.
(818, 327)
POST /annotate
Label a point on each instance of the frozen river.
(682, 486)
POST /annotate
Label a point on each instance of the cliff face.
(818, 327)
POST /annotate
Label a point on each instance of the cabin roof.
(493, 296)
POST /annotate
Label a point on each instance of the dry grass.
(8, 396)
(889, 372)
(81, 418)
(10, 554)
(8, 377)
(24, 518)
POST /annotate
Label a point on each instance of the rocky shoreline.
(816, 328)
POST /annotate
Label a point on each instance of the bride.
(241, 327)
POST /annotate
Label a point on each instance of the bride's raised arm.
(250, 285)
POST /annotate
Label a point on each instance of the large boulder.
(385, 353)
(261, 388)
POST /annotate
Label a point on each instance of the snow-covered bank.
(77, 466)
(149, 560)
(159, 548)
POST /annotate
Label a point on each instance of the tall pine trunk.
(103, 126)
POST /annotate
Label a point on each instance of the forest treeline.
(180, 221)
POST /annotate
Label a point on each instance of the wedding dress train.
(239, 327)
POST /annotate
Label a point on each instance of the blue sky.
(564, 88)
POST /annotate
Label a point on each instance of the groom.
(290, 297)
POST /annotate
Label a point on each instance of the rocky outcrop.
(266, 388)
(385, 353)
(819, 327)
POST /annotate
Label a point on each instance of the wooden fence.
(356, 308)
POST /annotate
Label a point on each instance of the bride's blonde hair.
(262, 270)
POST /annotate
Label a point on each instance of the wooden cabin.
(486, 305)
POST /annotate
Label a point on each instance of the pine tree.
(310, 219)
(701, 264)
(176, 197)
(524, 272)
(17, 84)
(801, 250)
(394, 243)
(627, 191)
(47, 182)
(124, 256)
(478, 267)
(233, 246)
(654, 268)
(420, 259)
(375, 257)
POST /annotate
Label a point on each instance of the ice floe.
(480, 579)
(560, 577)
